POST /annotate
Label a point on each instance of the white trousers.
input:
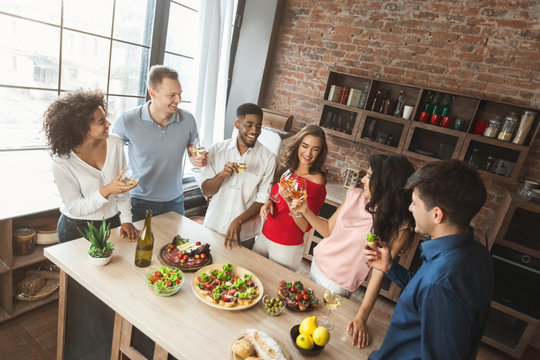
(288, 256)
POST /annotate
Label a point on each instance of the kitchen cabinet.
(12, 265)
(378, 122)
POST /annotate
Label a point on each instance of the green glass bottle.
(436, 113)
(446, 108)
(145, 243)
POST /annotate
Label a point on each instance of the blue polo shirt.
(444, 307)
(155, 153)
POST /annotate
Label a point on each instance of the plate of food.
(256, 344)
(165, 281)
(297, 297)
(186, 255)
(227, 287)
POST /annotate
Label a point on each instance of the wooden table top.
(184, 325)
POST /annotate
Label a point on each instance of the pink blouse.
(340, 256)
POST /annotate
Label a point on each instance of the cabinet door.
(313, 237)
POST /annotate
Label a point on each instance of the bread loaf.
(265, 347)
(242, 348)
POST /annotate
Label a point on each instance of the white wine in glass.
(241, 167)
(332, 300)
(197, 150)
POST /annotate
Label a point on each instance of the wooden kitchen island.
(182, 324)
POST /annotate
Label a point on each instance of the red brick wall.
(487, 49)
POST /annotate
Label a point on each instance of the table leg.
(117, 333)
(61, 316)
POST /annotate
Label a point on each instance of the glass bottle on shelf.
(376, 101)
(493, 127)
(436, 113)
(446, 120)
(363, 97)
(426, 114)
(400, 103)
(383, 101)
(508, 127)
(350, 124)
(474, 159)
(370, 130)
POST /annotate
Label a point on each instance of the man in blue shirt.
(444, 307)
(157, 133)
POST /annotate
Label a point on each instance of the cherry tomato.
(158, 274)
(203, 256)
(293, 289)
(305, 297)
(303, 292)
(168, 283)
(177, 281)
(171, 246)
(198, 243)
(186, 257)
(298, 297)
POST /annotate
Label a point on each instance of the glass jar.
(508, 127)
(524, 127)
(23, 241)
(474, 159)
(493, 127)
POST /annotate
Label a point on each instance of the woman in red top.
(282, 236)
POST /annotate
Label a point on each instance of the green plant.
(100, 247)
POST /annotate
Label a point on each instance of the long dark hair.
(389, 201)
(290, 159)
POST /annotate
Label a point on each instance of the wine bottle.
(436, 113)
(376, 101)
(363, 97)
(145, 243)
(400, 103)
(425, 115)
(446, 120)
(383, 101)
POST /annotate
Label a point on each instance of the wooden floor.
(32, 336)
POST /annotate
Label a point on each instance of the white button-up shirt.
(238, 192)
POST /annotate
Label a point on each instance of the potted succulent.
(100, 251)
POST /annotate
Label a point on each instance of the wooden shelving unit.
(499, 160)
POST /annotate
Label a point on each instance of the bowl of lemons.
(309, 338)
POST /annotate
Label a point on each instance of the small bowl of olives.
(273, 306)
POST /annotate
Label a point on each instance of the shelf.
(342, 106)
(438, 129)
(30, 259)
(25, 306)
(4, 268)
(497, 142)
(379, 145)
(392, 118)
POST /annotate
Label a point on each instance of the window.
(51, 46)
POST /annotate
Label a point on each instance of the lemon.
(304, 341)
(308, 325)
(321, 336)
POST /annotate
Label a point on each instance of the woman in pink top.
(381, 207)
(282, 236)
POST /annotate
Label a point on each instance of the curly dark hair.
(290, 160)
(67, 120)
(389, 201)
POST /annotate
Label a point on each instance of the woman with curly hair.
(87, 165)
(382, 207)
(282, 236)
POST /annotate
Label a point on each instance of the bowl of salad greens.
(165, 281)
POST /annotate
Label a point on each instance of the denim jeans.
(139, 207)
(68, 228)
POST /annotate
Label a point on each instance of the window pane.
(134, 20)
(90, 16)
(28, 53)
(119, 104)
(21, 125)
(85, 61)
(187, 74)
(43, 10)
(194, 4)
(129, 66)
(183, 31)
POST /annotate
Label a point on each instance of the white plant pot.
(99, 261)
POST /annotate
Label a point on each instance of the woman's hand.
(268, 207)
(359, 332)
(299, 205)
(285, 194)
(129, 231)
(116, 186)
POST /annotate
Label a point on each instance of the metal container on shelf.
(525, 125)
(24, 241)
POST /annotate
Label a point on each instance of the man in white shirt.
(238, 196)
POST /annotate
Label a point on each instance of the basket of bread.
(257, 345)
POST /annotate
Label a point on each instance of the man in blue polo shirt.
(157, 133)
(444, 307)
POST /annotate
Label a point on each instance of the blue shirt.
(155, 153)
(443, 309)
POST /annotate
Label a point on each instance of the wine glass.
(129, 177)
(241, 168)
(297, 189)
(197, 150)
(284, 182)
(332, 300)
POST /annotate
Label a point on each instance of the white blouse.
(79, 183)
